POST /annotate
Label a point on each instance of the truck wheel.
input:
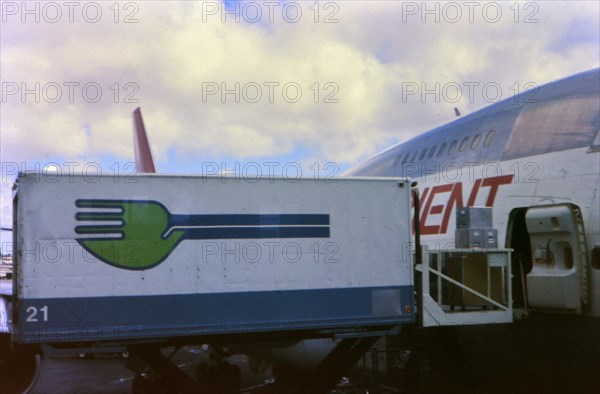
(19, 367)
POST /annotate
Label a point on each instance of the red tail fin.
(141, 146)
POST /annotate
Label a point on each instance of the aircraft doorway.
(549, 257)
(517, 238)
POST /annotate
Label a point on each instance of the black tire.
(18, 367)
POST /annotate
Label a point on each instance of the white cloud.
(369, 55)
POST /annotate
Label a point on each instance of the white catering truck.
(116, 260)
(115, 263)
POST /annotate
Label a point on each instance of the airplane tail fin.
(141, 146)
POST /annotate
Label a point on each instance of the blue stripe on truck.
(249, 219)
(159, 316)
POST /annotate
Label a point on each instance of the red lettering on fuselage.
(428, 209)
(455, 200)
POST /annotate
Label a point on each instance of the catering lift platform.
(465, 286)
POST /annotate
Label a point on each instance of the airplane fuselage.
(512, 156)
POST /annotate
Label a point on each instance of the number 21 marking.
(32, 313)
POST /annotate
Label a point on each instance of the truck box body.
(154, 256)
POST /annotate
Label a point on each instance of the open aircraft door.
(558, 278)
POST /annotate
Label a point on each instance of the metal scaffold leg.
(331, 370)
(166, 377)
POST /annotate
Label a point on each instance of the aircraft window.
(475, 142)
(397, 160)
(413, 156)
(463, 144)
(452, 147)
(422, 156)
(432, 151)
(442, 149)
(489, 138)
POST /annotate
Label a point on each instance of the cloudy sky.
(262, 82)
